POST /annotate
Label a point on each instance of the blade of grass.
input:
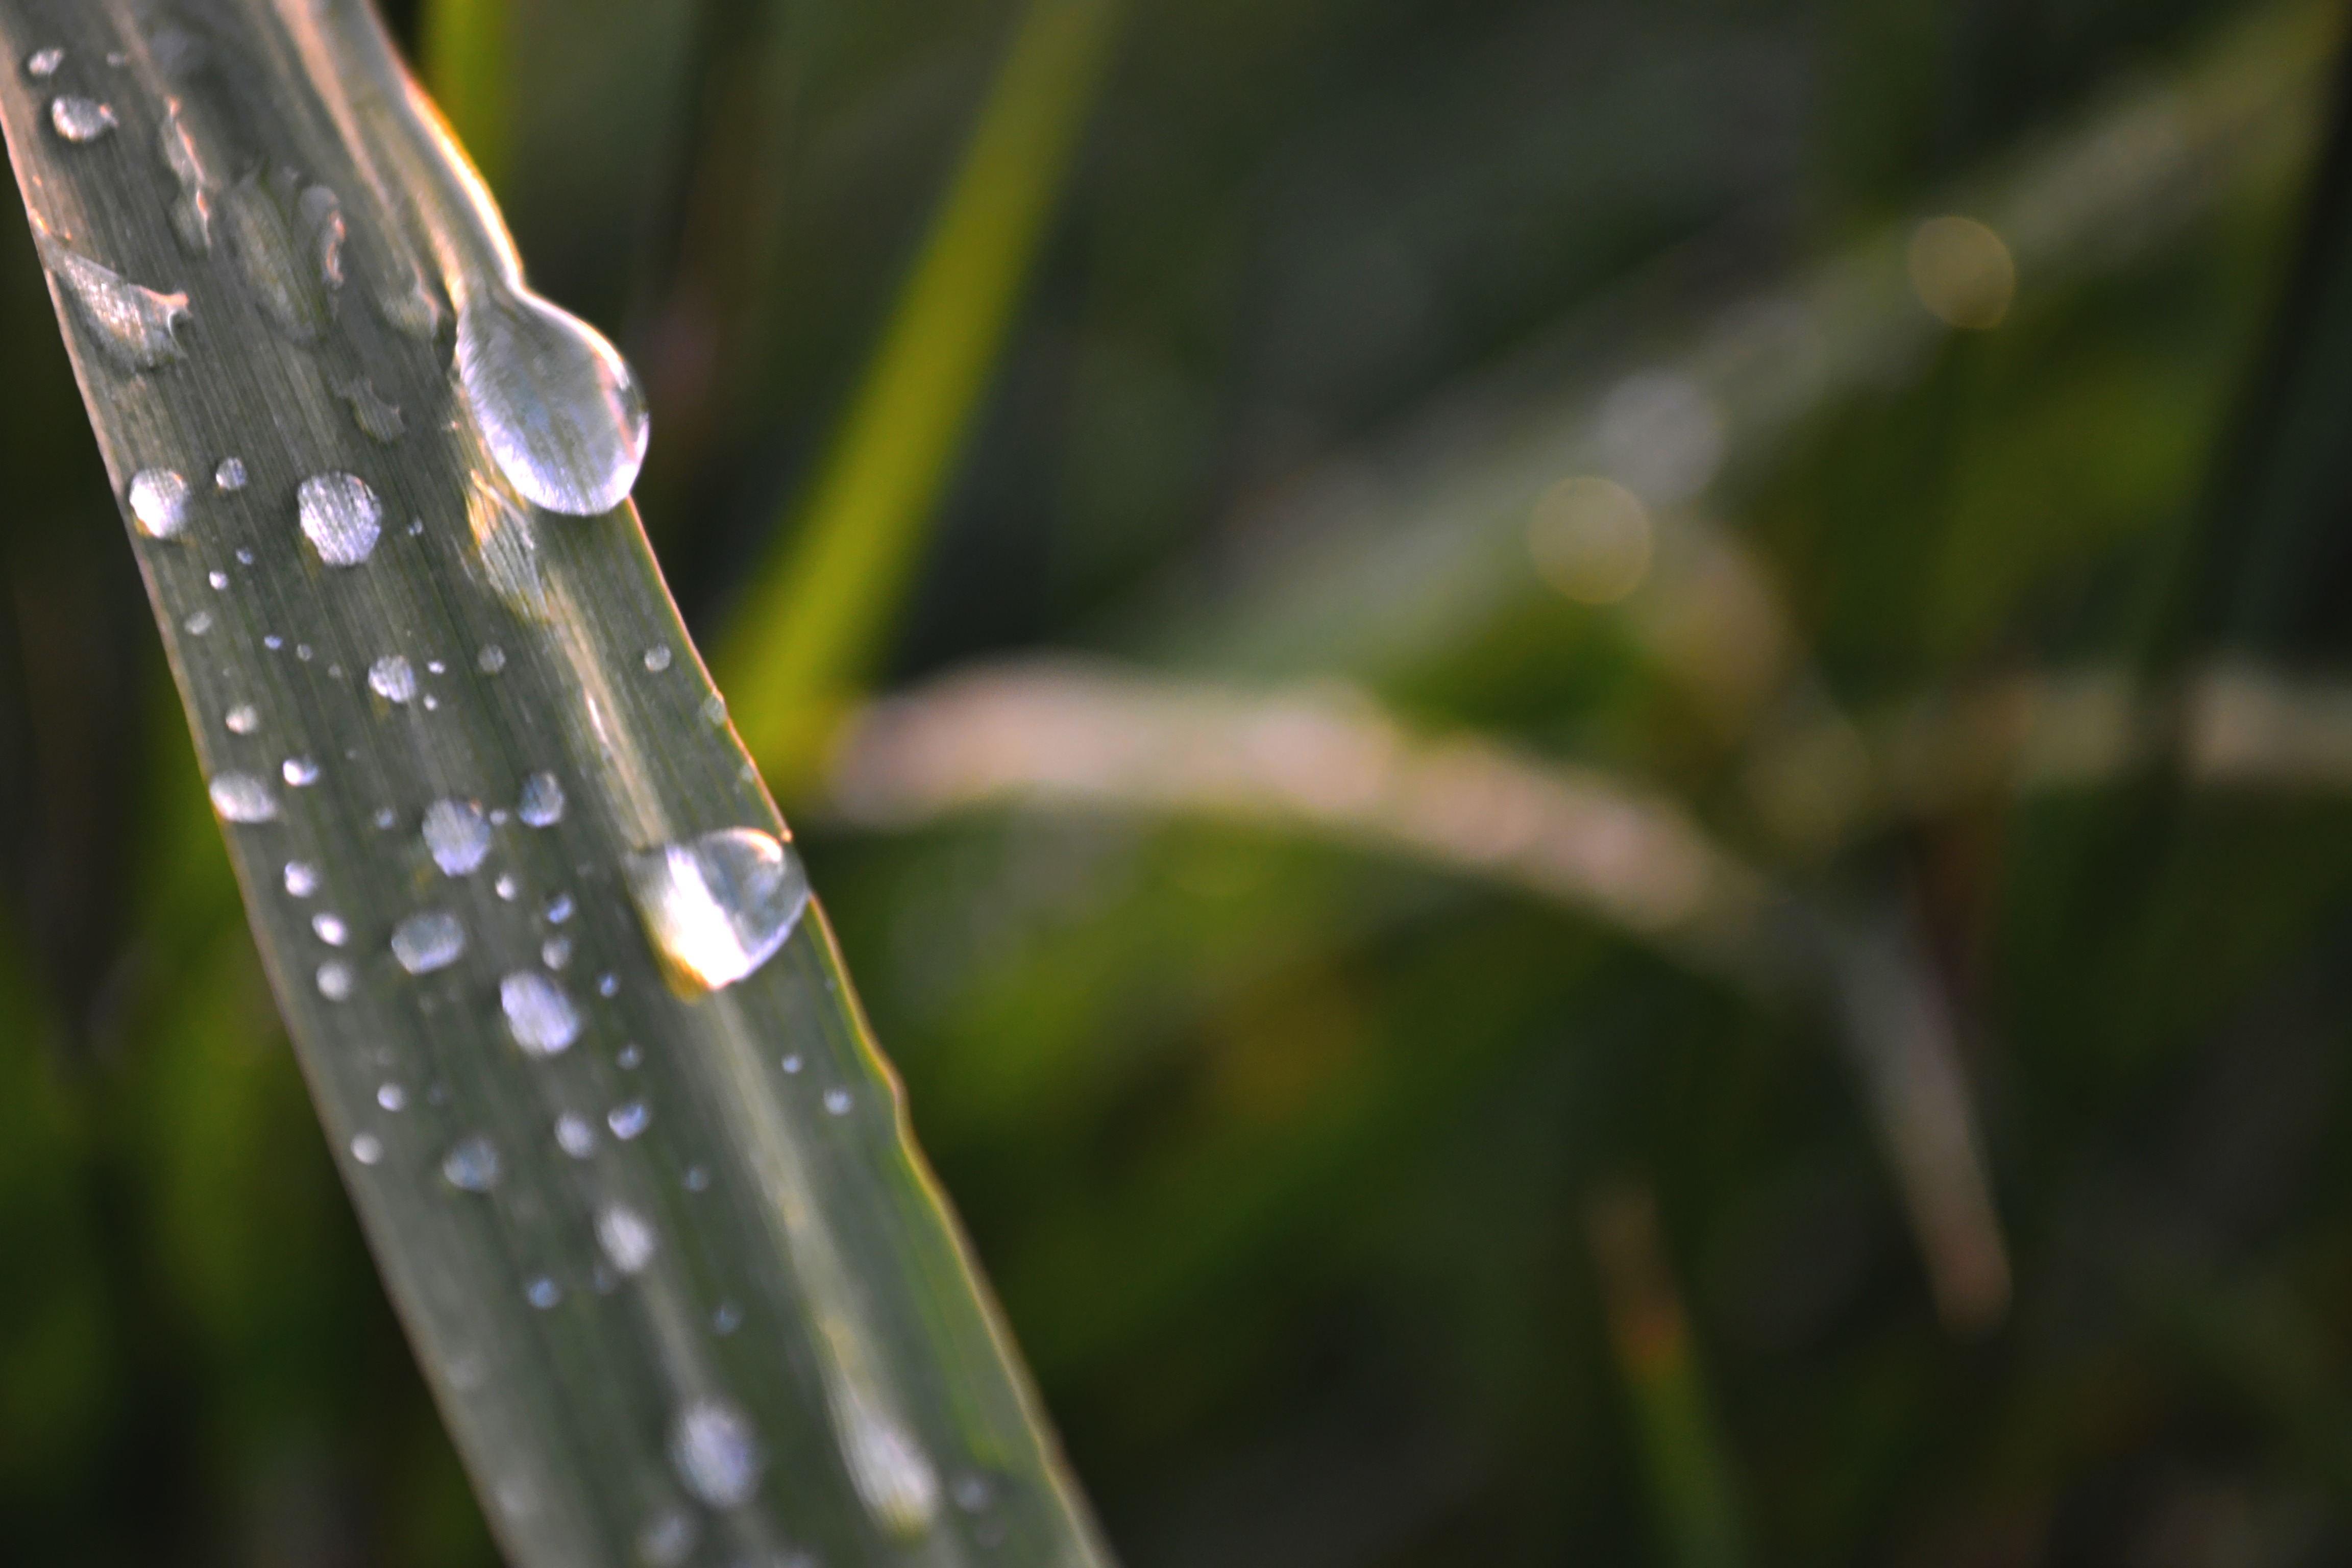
(804, 640)
(676, 1273)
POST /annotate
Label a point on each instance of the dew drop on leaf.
(429, 941)
(575, 1135)
(392, 1097)
(159, 502)
(491, 659)
(555, 403)
(628, 1118)
(299, 771)
(367, 1147)
(626, 1238)
(301, 879)
(456, 836)
(718, 906)
(539, 1017)
(341, 517)
(79, 119)
(715, 1452)
(543, 1293)
(135, 325)
(657, 658)
(393, 678)
(230, 475)
(241, 798)
(330, 928)
(472, 1165)
(43, 64)
(542, 805)
(336, 980)
(243, 720)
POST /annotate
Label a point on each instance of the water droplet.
(630, 1058)
(135, 325)
(716, 1453)
(575, 1135)
(608, 985)
(219, 580)
(299, 771)
(367, 1147)
(330, 928)
(301, 879)
(230, 476)
(392, 1097)
(837, 1101)
(626, 1238)
(667, 1539)
(81, 118)
(241, 798)
(456, 836)
(539, 1017)
(543, 1293)
(556, 405)
(336, 980)
(628, 1118)
(199, 624)
(371, 413)
(697, 1179)
(393, 678)
(302, 652)
(555, 953)
(44, 63)
(159, 502)
(243, 720)
(429, 940)
(727, 1318)
(888, 1468)
(492, 659)
(714, 711)
(244, 557)
(657, 658)
(557, 909)
(719, 906)
(341, 517)
(542, 805)
(435, 666)
(416, 527)
(507, 887)
(472, 1165)
(192, 214)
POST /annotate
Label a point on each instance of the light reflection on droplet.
(555, 403)
(301, 879)
(336, 980)
(716, 1453)
(456, 836)
(243, 720)
(629, 1118)
(539, 1017)
(575, 1135)
(429, 941)
(330, 928)
(393, 678)
(299, 771)
(241, 798)
(367, 1147)
(81, 118)
(719, 906)
(626, 1236)
(472, 1165)
(341, 517)
(542, 805)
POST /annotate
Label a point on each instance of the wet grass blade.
(637, 1178)
(807, 633)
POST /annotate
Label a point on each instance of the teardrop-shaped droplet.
(341, 517)
(79, 119)
(555, 403)
(159, 502)
(472, 1165)
(716, 1453)
(457, 835)
(429, 941)
(135, 325)
(542, 805)
(719, 906)
(626, 1236)
(539, 1017)
(241, 798)
(393, 679)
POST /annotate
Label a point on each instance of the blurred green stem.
(805, 639)
(465, 46)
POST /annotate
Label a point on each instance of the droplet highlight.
(456, 835)
(429, 941)
(241, 798)
(341, 517)
(393, 679)
(159, 502)
(626, 1236)
(716, 1453)
(79, 119)
(719, 906)
(556, 405)
(230, 475)
(472, 1165)
(542, 805)
(243, 720)
(539, 1017)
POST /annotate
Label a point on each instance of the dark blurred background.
(1688, 901)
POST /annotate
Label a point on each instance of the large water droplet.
(429, 941)
(555, 403)
(134, 323)
(626, 1238)
(719, 906)
(341, 517)
(393, 679)
(241, 798)
(192, 215)
(542, 805)
(81, 118)
(716, 1453)
(472, 1165)
(539, 1017)
(456, 835)
(159, 502)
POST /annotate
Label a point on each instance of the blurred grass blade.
(804, 639)
(466, 46)
(638, 1180)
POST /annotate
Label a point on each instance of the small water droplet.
(457, 836)
(792, 1063)
(43, 64)
(557, 909)
(159, 502)
(341, 517)
(507, 887)
(555, 952)
(429, 941)
(243, 720)
(727, 1318)
(273, 642)
(539, 1017)
(336, 980)
(81, 118)
(219, 580)
(718, 906)
(542, 805)
(575, 1135)
(714, 711)
(330, 928)
(716, 1453)
(628, 1118)
(392, 1097)
(837, 1101)
(301, 879)
(245, 558)
(435, 666)
(384, 818)
(892, 1474)
(302, 652)
(416, 527)
(543, 1293)
(555, 403)
(630, 1058)
(626, 1238)
(199, 624)
(608, 985)
(299, 771)
(230, 476)
(657, 658)
(367, 1147)
(697, 1179)
(431, 703)
(472, 1165)
(136, 324)
(491, 659)
(241, 798)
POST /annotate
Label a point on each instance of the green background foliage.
(1350, 1209)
